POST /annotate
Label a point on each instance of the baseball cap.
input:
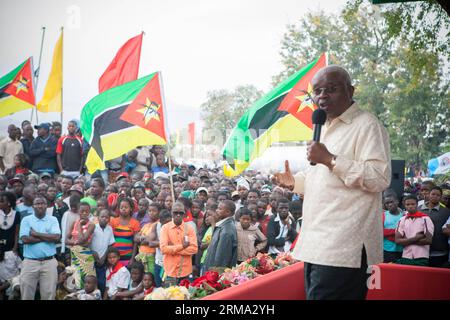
(201, 189)
(44, 125)
(122, 175)
(77, 187)
(45, 174)
(234, 193)
(138, 185)
(160, 175)
(266, 188)
(14, 180)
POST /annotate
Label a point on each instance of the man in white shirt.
(9, 148)
(342, 228)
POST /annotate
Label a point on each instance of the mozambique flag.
(17, 90)
(284, 114)
(123, 118)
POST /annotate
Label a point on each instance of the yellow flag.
(52, 100)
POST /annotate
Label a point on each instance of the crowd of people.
(123, 231)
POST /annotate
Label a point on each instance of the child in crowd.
(131, 160)
(79, 239)
(205, 235)
(148, 284)
(90, 291)
(69, 219)
(102, 240)
(415, 234)
(66, 283)
(117, 275)
(125, 227)
(250, 239)
(20, 162)
(146, 252)
(10, 265)
(135, 286)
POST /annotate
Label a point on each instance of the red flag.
(21, 86)
(191, 133)
(146, 111)
(124, 66)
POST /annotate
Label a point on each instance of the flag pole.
(167, 135)
(62, 73)
(36, 74)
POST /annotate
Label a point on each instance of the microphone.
(318, 119)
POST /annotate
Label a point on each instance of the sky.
(198, 45)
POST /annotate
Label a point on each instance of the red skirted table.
(389, 282)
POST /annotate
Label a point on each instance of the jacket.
(43, 154)
(250, 241)
(222, 251)
(273, 230)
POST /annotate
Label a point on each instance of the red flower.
(215, 285)
(197, 282)
(226, 283)
(212, 276)
(185, 283)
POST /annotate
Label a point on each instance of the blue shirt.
(160, 169)
(42, 249)
(24, 210)
(391, 222)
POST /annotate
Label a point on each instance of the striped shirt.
(124, 237)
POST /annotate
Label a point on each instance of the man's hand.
(185, 243)
(420, 235)
(318, 153)
(33, 233)
(284, 179)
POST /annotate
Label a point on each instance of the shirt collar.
(425, 206)
(45, 218)
(223, 221)
(348, 115)
(174, 226)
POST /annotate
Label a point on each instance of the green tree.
(224, 108)
(418, 117)
(424, 24)
(398, 83)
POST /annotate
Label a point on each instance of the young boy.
(90, 291)
(391, 218)
(102, 240)
(415, 233)
(248, 235)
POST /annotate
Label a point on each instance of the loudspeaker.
(398, 177)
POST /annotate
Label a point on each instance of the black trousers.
(438, 261)
(391, 256)
(336, 283)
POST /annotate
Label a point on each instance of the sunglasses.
(178, 213)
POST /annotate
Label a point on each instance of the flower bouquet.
(284, 259)
(262, 263)
(171, 293)
(232, 277)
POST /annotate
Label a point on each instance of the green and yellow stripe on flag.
(283, 115)
(17, 89)
(123, 118)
